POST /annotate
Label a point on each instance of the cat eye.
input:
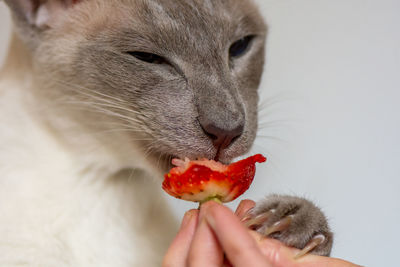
(240, 47)
(148, 57)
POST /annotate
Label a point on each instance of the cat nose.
(221, 137)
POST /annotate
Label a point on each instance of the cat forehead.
(193, 9)
(191, 16)
(173, 28)
(191, 23)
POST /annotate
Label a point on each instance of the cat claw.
(279, 226)
(296, 222)
(314, 242)
(251, 222)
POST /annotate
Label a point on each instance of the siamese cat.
(97, 96)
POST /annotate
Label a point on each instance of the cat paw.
(294, 221)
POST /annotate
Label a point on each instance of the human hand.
(206, 236)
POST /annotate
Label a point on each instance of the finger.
(276, 252)
(179, 249)
(205, 249)
(319, 261)
(244, 208)
(280, 255)
(313, 243)
(239, 246)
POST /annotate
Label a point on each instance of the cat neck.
(42, 133)
(61, 182)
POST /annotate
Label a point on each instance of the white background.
(330, 122)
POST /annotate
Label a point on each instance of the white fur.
(58, 208)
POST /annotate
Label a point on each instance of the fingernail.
(187, 218)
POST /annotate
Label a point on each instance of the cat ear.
(39, 13)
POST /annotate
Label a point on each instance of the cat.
(97, 97)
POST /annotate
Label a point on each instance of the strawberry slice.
(202, 180)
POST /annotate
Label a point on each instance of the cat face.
(181, 75)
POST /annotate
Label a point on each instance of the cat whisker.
(113, 106)
(132, 174)
(108, 112)
(277, 122)
(92, 92)
(270, 137)
(271, 101)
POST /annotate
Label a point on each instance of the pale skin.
(214, 230)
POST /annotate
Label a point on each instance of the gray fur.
(308, 221)
(83, 58)
(201, 81)
(171, 98)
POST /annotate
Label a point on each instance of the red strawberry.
(202, 180)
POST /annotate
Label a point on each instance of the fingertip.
(208, 207)
(188, 217)
(239, 247)
(178, 250)
(192, 212)
(209, 204)
(213, 209)
(245, 206)
(248, 202)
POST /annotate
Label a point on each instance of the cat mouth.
(221, 155)
(175, 158)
